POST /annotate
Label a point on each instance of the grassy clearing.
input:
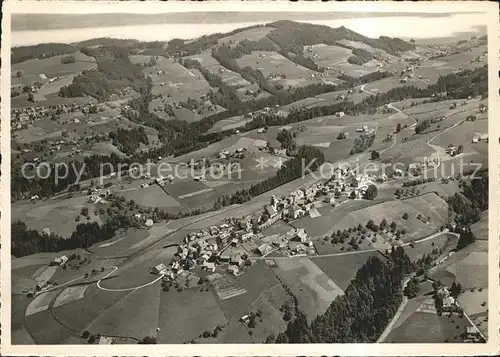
(428, 328)
(272, 319)
(269, 62)
(52, 67)
(445, 241)
(342, 269)
(257, 279)
(58, 215)
(136, 315)
(185, 315)
(80, 314)
(70, 294)
(45, 329)
(21, 336)
(135, 272)
(231, 123)
(329, 55)
(313, 288)
(152, 196)
(41, 302)
(472, 302)
(254, 34)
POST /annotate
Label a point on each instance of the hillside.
(292, 36)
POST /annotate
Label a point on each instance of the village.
(232, 244)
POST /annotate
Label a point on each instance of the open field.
(471, 301)
(429, 205)
(469, 267)
(272, 62)
(328, 55)
(183, 316)
(80, 314)
(386, 84)
(140, 306)
(153, 196)
(272, 319)
(254, 34)
(428, 328)
(57, 215)
(256, 280)
(231, 123)
(70, 294)
(50, 67)
(342, 269)
(246, 90)
(313, 288)
(445, 242)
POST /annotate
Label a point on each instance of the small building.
(264, 249)
(159, 269)
(300, 235)
(60, 260)
(271, 210)
(244, 318)
(149, 223)
(208, 266)
(233, 269)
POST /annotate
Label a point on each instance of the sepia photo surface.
(246, 178)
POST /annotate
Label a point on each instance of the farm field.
(227, 124)
(254, 34)
(469, 267)
(140, 306)
(192, 312)
(245, 90)
(272, 62)
(58, 215)
(328, 55)
(256, 280)
(444, 242)
(428, 328)
(313, 288)
(153, 196)
(153, 275)
(34, 70)
(342, 269)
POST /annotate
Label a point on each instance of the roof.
(160, 267)
(271, 210)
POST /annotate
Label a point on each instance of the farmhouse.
(60, 260)
(159, 269)
(233, 269)
(264, 249)
(300, 235)
(208, 266)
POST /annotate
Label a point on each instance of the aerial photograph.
(248, 178)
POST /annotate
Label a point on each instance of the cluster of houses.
(239, 153)
(97, 195)
(449, 304)
(20, 118)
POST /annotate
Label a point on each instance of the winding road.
(115, 268)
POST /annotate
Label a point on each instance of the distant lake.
(403, 27)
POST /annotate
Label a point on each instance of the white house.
(208, 266)
(233, 269)
(159, 269)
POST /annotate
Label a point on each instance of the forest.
(44, 50)
(26, 241)
(361, 315)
